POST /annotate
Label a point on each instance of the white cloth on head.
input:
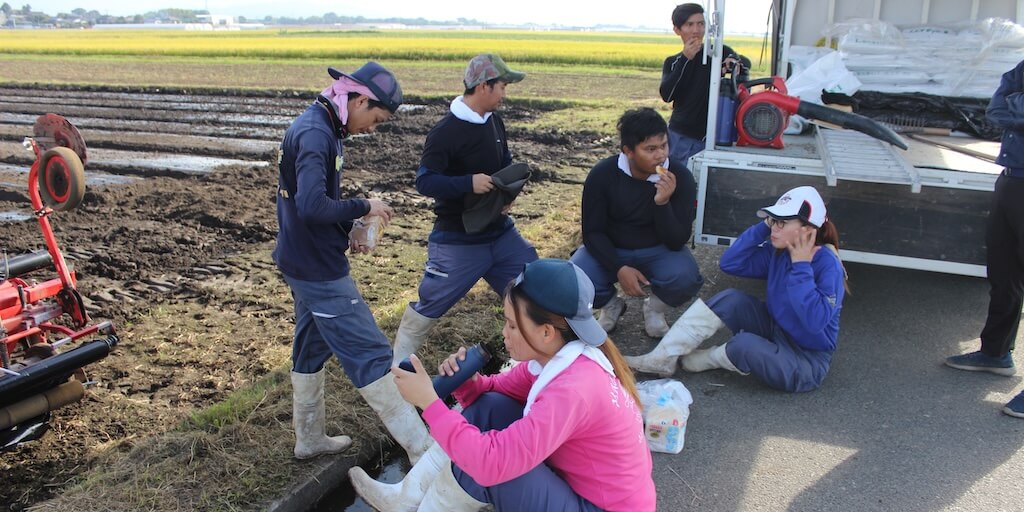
(565, 357)
(338, 91)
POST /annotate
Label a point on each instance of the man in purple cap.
(314, 221)
(460, 154)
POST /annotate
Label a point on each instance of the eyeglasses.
(776, 223)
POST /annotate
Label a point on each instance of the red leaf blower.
(762, 116)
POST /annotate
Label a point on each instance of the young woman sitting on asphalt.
(788, 341)
(562, 430)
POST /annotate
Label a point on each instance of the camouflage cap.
(488, 66)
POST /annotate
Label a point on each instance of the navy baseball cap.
(381, 82)
(562, 288)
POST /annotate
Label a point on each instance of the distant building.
(210, 22)
(217, 20)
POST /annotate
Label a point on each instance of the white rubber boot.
(611, 312)
(404, 496)
(446, 495)
(713, 358)
(308, 417)
(697, 324)
(412, 333)
(399, 416)
(654, 316)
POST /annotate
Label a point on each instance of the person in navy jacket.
(461, 153)
(1004, 239)
(331, 317)
(786, 341)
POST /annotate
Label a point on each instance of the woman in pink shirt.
(562, 430)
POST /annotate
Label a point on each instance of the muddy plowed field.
(179, 214)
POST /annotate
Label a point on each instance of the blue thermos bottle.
(476, 358)
(725, 129)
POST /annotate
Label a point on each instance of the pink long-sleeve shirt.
(583, 423)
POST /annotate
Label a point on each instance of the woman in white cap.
(562, 430)
(787, 342)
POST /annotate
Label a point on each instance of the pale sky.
(742, 16)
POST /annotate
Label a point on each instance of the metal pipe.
(24, 263)
(42, 403)
(34, 379)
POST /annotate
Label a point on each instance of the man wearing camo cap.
(460, 154)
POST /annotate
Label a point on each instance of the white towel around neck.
(462, 111)
(565, 357)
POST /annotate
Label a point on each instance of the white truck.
(924, 208)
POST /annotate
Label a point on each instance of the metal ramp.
(851, 155)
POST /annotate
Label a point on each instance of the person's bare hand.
(803, 248)
(630, 280)
(691, 47)
(380, 209)
(507, 208)
(728, 64)
(415, 387)
(449, 366)
(664, 188)
(482, 183)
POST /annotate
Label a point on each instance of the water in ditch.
(344, 498)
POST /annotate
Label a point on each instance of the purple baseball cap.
(379, 80)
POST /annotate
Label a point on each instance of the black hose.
(851, 121)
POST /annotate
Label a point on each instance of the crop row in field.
(641, 51)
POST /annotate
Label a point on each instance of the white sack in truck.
(961, 59)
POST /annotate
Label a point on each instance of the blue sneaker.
(980, 362)
(1015, 407)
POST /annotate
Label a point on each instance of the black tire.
(61, 178)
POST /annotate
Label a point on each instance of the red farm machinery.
(46, 336)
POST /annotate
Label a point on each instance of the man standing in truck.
(1004, 239)
(685, 80)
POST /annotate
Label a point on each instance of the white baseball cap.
(799, 203)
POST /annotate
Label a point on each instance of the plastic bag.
(366, 233)
(826, 73)
(666, 404)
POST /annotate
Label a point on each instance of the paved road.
(890, 429)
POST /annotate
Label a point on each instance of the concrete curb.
(322, 476)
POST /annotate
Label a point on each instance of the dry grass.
(236, 454)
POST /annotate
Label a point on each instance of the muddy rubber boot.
(446, 495)
(412, 332)
(697, 324)
(404, 496)
(308, 417)
(654, 316)
(399, 416)
(702, 360)
(610, 313)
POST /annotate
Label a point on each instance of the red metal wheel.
(61, 179)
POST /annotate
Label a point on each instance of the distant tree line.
(79, 18)
(332, 18)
